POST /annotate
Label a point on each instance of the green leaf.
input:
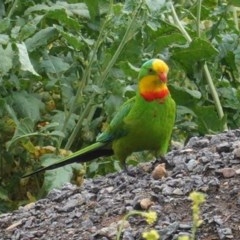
(235, 3)
(6, 59)
(229, 98)
(26, 64)
(4, 39)
(41, 8)
(59, 118)
(2, 10)
(182, 110)
(4, 194)
(208, 120)
(49, 126)
(155, 5)
(167, 40)
(74, 41)
(79, 9)
(41, 38)
(198, 50)
(64, 19)
(57, 133)
(56, 178)
(54, 65)
(26, 105)
(184, 96)
(93, 166)
(4, 24)
(26, 31)
(93, 8)
(25, 128)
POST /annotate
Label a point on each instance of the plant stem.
(125, 39)
(12, 9)
(235, 17)
(199, 6)
(179, 24)
(205, 67)
(213, 91)
(78, 126)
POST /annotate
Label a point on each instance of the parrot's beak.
(163, 76)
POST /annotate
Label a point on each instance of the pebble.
(223, 147)
(227, 172)
(236, 152)
(192, 164)
(224, 233)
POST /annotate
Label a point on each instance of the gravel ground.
(210, 164)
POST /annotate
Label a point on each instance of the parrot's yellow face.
(153, 79)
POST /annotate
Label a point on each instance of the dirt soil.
(210, 164)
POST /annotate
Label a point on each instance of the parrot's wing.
(116, 128)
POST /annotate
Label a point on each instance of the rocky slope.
(210, 164)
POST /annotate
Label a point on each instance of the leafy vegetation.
(66, 66)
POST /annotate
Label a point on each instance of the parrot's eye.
(150, 71)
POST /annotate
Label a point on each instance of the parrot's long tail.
(84, 155)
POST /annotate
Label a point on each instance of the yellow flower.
(197, 197)
(151, 235)
(150, 216)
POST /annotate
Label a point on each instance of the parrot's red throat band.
(152, 88)
(161, 94)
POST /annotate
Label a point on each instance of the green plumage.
(148, 126)
(138, 125)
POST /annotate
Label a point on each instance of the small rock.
(237, 171)
(55, 195)
(111, 230)
(217, 219)
(178, 191)
(87, 224)
(100, 210)
(192, 164)
(234, 161)
(169, 230)
(202, 143)
(185, 226)
(70, 205)
(238, 201)
(129, 235)
(14, 225)
(106, 190)
(226, 172)
(192, 141)
(167, 190)
(224, 233)
(223, 147)
(146, 167)
(159, 172)
(205, 159)
(146, 203)
(236, 153)
(187, 150)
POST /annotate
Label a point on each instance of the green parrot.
(144, 122)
